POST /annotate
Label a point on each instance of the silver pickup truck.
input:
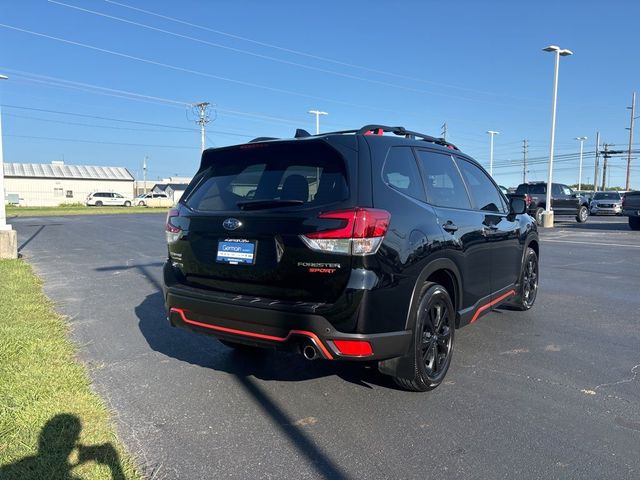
(631, 209)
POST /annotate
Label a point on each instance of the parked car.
(372, 244)
(631, 209)
(100, 199)
(153, 199)
(564, 201)
(608, 203)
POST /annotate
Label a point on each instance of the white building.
(37, 184)
(173, 190)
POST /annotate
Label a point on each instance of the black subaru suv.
(369, 244)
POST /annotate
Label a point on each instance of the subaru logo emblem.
(231, 223)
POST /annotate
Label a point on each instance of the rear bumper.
(275, 328)
(631, 212)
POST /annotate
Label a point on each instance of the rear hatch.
(247, 210)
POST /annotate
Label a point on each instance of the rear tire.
(583, 214)
(538, 215)
(634, 223)
(98, 203)
(528, 282)
(433, 335)
(127, 203)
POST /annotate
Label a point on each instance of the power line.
(80, 140)
(309, 55)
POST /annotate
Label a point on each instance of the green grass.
(50, 419)
(13, 211)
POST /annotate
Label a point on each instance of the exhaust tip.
(310, 352)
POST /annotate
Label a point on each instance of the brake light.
(172, 231)
(360, 233)
(528, 200)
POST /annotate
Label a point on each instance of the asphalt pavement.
(549, 393)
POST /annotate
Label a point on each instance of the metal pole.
(525, 148)
(597, 166)
(548, 208)
(3, 211)
(582, 139)
(633, 111)
(144, 175)
(604, 166)
(491, 134)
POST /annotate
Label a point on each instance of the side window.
(555, 189)
(445, 187)
(538, 189)
(401, 173)
(566, 190)
(484, 193)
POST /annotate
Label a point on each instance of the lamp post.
(547, 216)
(491, 133)
(3, 212)
(317, 113)
(581, 139)
(8, 237)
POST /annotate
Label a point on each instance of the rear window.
(299, 175)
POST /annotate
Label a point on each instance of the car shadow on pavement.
(621, 225)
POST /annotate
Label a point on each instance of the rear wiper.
(274, 202)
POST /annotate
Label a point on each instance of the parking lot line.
(591, 243)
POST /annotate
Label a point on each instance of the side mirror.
(517, 206)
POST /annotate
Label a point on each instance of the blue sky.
(123, 77)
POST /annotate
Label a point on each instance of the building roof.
(56, 170)
(173, 186)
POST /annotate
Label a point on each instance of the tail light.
(528, 200)
(361, 232)
(172, 231)
(623, 198)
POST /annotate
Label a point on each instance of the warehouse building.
(39, 185)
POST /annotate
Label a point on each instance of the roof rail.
(370, 129)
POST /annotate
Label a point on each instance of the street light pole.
(3, 211)
(582, 139)
(491, 133)
(548, 213)
(317, 113)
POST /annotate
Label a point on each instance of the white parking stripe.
(590, 243)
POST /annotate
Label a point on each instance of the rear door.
(464, 233)
(502, 231)
(247, 209)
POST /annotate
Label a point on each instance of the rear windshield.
(295, 175)
(607, 196)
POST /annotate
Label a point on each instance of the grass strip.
(52, 424)
(76, 210)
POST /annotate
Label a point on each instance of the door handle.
(449, 227)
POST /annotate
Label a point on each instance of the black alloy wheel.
(528, 281)
(433, 339)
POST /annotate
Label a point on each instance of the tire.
(127, 203)
(538, 215)
(634, 223)
(528, 282)
(434, 330)
(142, 204)
(99, 203)
(583, 214)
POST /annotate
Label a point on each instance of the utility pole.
(581, 140)
(633, 112)
(491, 133)
(444, 130)
(595, 173)
(604, 166)
(202, 118)
(144, 174)
(525, 153)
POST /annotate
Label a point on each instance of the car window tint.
(483, 192)
(401, 173)
(538, 189)
(443, 181)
